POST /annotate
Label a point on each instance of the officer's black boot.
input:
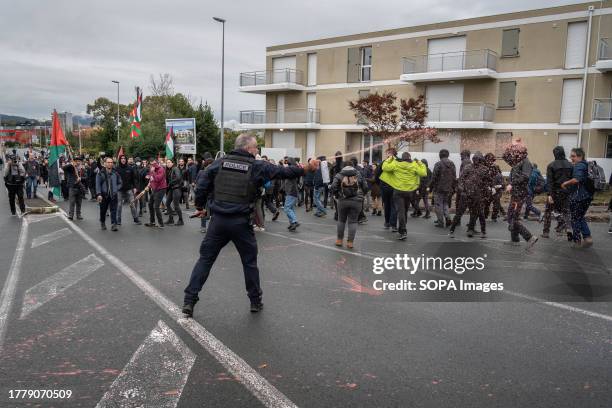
(188, 310)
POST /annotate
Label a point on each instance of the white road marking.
(50, 237)
(516, 294)
(8, 291)
(48, 289)
(155, 375)
(265, 392)
(33, 219)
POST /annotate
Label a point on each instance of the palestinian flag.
(170, 144)
(136, 116)
(57, 148)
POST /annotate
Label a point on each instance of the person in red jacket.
(157, 186)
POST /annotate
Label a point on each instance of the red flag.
(120, 152)
(57, 135)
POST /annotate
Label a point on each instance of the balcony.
(602, 114)
(286, 79)
(280, 119)
(450, 66)
(604, 56)
(466, 115)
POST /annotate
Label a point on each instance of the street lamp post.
(117, 82)
(222, 21)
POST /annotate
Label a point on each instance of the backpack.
(540, 184)
(349, 186)
(14, 177)
(593, 182)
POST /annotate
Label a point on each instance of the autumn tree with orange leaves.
(398, 126)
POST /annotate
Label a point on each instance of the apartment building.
(544, 76)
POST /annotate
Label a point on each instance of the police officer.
(14, 180)
(230, 187)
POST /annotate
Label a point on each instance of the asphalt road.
(95, 312)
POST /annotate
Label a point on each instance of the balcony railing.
(462, 112)
(605, 50)
(258, 117)
(450, 61)
(274, 76)
(602, 109)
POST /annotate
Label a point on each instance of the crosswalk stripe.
(52, 236)
(37, 218)
(155, 375)
(48, 289)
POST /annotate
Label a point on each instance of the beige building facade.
(544, 76)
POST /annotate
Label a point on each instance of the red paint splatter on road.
(356, 286)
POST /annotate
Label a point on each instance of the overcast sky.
(63, 54)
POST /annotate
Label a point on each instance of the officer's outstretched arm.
(205, 184)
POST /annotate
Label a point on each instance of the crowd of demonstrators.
(392, 187)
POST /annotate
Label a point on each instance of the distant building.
(65, 120)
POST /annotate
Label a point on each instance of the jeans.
(173, 204)
(514, 221)
(580, 228)
(129, 197)
(222, 230)
(155, 200)
(308, 196)
(348, 212)
(31, 185)
(289, 208)
(388, 206)
(76, 198)
(529, 207)
(317, 200)
(441, 207)
(104, 206)
(403, 200)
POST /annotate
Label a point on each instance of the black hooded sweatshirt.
(558, 171)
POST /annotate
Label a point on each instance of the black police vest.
(233, 181)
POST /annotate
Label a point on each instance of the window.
(510, 42)
(502, 140)
(312, 69)
(570, 102)
(366, 64)
(507, 94)
(575, 49)
(609, 148)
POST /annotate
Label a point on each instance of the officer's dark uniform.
(233, 181)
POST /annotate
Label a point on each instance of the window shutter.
(507, 94)
(353, 65)
(510, 42)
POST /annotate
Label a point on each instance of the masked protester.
(557, 172)
(498, 184)
(516, 156)
(475, 185)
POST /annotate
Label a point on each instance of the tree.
(379, 111)
(104, 112)
(207, 129)
(164, 86)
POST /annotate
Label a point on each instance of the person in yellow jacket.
(405, 177)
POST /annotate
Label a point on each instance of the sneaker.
(179, 223)
(161, 226)
(150, 224)
(379, 213)
(610, 230)
(470, 233)
(587, 242)
(70, 217)
(275, 216)
(451, 234)
(203, 230)
(427, 215)
(438, 224)
(170, 221)
(387, 226)
(393, 229)
(137, 221)
(293, 226)
(349, 244)
(532, 241)
(79, 218)
(483, 235)
(103, 227)
(402, 237)
(339, 242)
(114, 227)
(188, 310)
(256, 307)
